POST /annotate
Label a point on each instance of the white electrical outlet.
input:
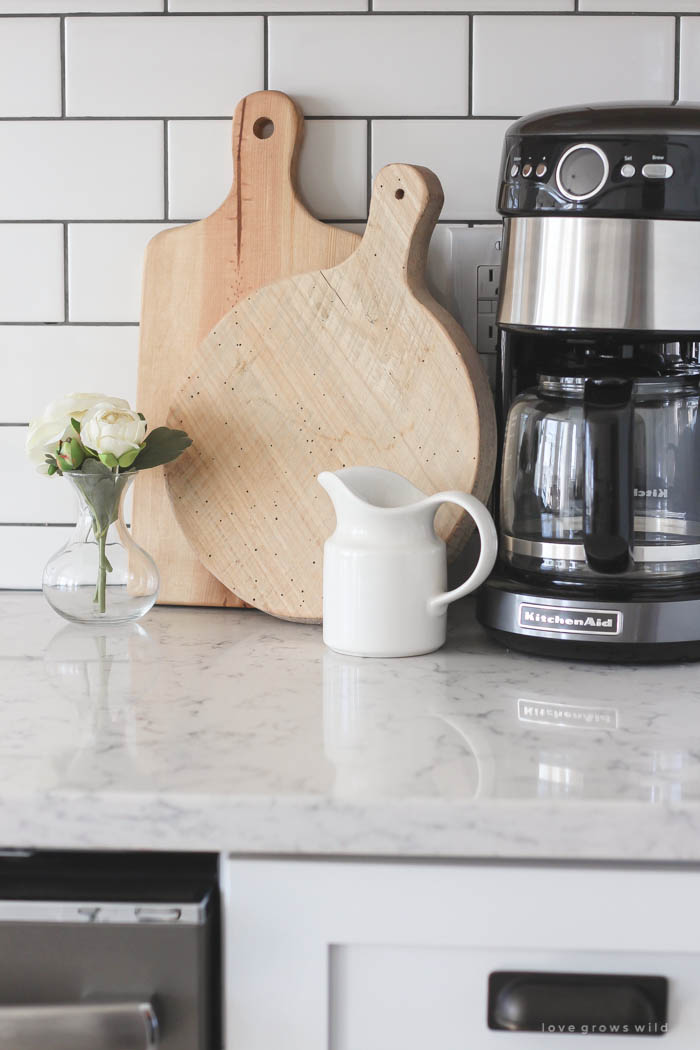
(476, 269)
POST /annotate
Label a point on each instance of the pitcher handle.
(489, 546)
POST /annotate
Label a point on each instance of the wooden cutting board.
(354, 365)
(193, 275)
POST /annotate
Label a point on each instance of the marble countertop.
(230, 731)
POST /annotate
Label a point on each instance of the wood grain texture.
(354, 365)
(192, 276)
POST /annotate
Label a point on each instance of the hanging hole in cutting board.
(399, 195)
(263, 128)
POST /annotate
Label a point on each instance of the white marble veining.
(231, 731)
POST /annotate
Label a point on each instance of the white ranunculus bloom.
(54, 423)
(106, 429)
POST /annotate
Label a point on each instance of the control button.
(657, 171)
(582, 171)
(527, 171)
(627, 171)
(514, 171)
(540, 170)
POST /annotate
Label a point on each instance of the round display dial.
(582, 171)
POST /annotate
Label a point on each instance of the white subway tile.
(161, 66)
(690, 67)
(475, 5)
(47, 361)
(525, 63)
(464, 154)
(333, 168)
(374, 65)
(332, 174)
(30, 67)
(26, 496)
(104, 269)
(73, 169)
(638, 6)
(35, 7)
(25, 551)
(265, 6)
(31, 272)
(200, 166)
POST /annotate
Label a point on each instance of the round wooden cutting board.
(353, 365)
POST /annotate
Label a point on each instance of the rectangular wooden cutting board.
(195, 274)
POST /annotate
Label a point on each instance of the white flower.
(109, 430)
(54, 424)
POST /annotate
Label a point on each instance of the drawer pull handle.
(79, 1026)
(563, 1003)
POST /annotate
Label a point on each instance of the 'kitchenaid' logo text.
(569, 621)
(651, 493)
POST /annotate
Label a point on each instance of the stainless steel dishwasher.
(109, 952)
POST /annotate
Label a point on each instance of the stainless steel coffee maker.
(599, 386)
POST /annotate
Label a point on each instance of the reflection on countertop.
(229, 730)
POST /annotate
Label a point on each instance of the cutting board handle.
(267, 132)
(406, 203)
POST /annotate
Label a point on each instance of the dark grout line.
(166, 186)
(677, 63)
(69, 324)
(465, 11)
(62, 45)
(308, 116)
(66, 304)
(266, 55)
(35, 525)
(470, 66)
(368, 188)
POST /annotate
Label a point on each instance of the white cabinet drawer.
(324, 955)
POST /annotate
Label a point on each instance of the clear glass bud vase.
(101, 574)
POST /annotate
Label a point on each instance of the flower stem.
(102, 575)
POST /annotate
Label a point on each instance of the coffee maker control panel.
(586, 162)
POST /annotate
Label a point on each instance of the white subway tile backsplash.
(104, 269)
(31, 273)
(47, 361)
(266, 6)
(333, 168)
(38, 7)
(332, 175)
(379, 65)
(200, 166)
(68, 169)
(83, 196)
(524, 63)
(30, 67)
(161, 66)
(464, 154)
(25, 495)
(474, 5)
(661, 7)
(24, 553)
(690, 67)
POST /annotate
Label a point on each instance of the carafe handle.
(487, 555)
(608, 512)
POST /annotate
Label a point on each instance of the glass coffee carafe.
(601, 479)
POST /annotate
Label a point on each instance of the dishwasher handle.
(79, 1026)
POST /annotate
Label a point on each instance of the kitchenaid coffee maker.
(599, 386)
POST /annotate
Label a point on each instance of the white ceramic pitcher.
(384, 567)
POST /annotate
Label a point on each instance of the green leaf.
(94, 466)
(162, 445)
(109, 460)
(128, 458)
(75, 424)
(52, 469)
